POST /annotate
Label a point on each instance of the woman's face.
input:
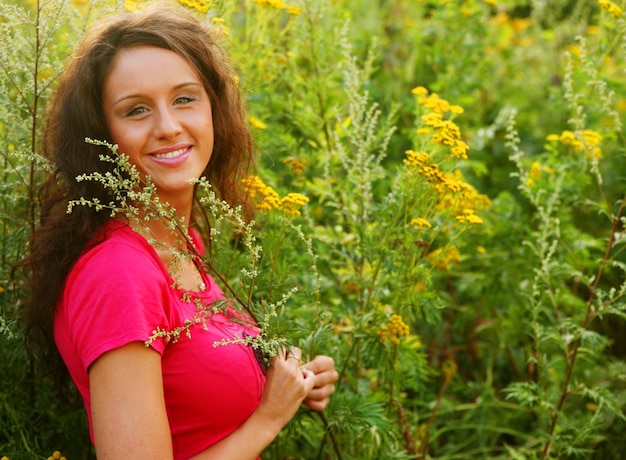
(159, 114)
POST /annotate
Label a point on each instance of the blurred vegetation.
(475, 309)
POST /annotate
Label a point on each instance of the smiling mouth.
(169, 155)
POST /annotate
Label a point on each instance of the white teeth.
(172, 154)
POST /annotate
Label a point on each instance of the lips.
(171, 156)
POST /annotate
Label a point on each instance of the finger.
(309, 379)
(320, 364)
(321, 393)
(326, 378)
(317, 406)
(294, 353)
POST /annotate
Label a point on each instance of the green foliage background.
(515, 345)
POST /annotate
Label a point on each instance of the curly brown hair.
(76, 113)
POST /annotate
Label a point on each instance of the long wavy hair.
(76, 113)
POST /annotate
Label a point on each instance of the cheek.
(126, 139)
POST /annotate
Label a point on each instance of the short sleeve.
(116, 294)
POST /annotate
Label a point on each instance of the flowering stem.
(589, 315)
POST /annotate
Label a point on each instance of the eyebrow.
(177, 87)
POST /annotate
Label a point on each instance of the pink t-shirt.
(119, 292)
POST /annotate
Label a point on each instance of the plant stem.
(589, 315)
(448, 374)
(330, 434)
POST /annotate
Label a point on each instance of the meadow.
(440, 194)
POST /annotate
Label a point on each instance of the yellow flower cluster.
(56, 455)
(534, 173)
(297, 166)
(270, 200)
(465, 204)
(200, 5)
(456, 195)
(443, 258)
(587, 141)
(293, 10)
(415, 159)
(421, 223)
(514, 28)
(394, 330)
(257, 123)
(535, 170)
(292, 202)
(134, 5)
(220, 22)
(468, 216)
(612, 8)
(445, 131)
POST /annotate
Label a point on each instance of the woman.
(156, 84)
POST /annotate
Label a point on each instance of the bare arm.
(130, 420)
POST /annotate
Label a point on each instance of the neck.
(158, 229)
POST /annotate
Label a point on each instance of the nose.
(167, 125)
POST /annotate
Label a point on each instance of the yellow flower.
(273, 3)
(433, 119)
(584, 141)
(442, 259)
(292, 202)
(257, 123)
(469, 216)
(535, 170)
(553, 138)
(459, 149)
(435, 103)
(456, 109)
(421, 223)
(294, 10)
(415, 159)
(612, 8)
(297, 166)
(270, 199)
(394, 330)
(134, 5)
(420, 91)
(567, 138)
(573, 49)
(199, 5)
(593, 30)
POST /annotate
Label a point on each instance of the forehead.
(145, 67)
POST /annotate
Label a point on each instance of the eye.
(186, 99)
(136, 111)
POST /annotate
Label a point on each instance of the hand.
(286, 386)
(323, 367)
